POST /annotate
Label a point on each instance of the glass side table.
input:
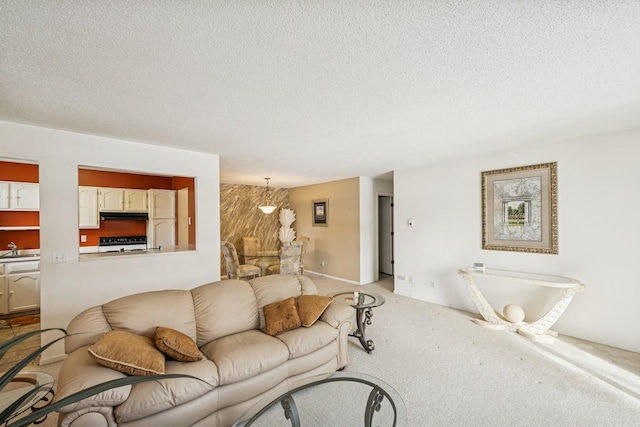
(24, 383)
(363, 303)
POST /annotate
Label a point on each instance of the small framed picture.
(320, 212)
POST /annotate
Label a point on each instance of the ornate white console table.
(537, 330)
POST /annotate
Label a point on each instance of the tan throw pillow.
(129, 353)
(281, 316)
(177, 345)
(311, 307)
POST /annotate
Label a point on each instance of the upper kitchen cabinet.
(163, 204)
(122, 200)
(111, 199)
(88, 215)
(19, 196)
(136, 200)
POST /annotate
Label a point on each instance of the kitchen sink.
(18, 257)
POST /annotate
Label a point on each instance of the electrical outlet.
(410, 279)
(322, 264)
(433, 283)
(83, 238)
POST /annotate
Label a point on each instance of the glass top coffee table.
(39, 384)
(363, 303)
(335, 399)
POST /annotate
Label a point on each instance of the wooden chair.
(234, 268)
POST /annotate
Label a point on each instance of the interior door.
(385, 234)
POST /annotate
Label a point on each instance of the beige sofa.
(226, 320)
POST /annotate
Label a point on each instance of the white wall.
(67, 289)
(599, 235)
(368, 231)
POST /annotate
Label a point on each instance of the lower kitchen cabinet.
(19, 287)
(161, 232)
(24, 291)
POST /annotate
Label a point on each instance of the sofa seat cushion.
(245, 355)
(303, 341)
(150, 397)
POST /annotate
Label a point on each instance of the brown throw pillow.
(177, 345)
(129, 353)
(311, 307)
(281, 316)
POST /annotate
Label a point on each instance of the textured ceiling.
(313, 91)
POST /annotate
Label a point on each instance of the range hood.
(131, 216)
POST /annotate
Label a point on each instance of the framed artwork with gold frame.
(519, 209)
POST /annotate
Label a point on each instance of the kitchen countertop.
(164, 250)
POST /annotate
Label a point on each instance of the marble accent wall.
(240, 216)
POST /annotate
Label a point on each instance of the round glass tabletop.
(334, 399)
(358, 299)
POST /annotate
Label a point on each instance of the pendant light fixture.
(267, 207)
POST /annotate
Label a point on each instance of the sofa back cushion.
(278, 287)
(85, 329)
(224, 308)
(142, 313)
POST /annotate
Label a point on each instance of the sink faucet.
(14, 249)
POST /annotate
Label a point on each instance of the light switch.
(59, 257)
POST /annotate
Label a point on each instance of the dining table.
(263, 259)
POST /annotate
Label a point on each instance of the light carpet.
(451, 372)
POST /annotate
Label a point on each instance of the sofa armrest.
(337, 313)
(80, 371)
(340, 316)
(88, 417)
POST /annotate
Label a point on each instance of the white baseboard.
(353, 282)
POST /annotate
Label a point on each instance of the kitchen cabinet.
(20, 286)
(162, 204)
(5, 195)
(20, 196)
(136, 200)
(161, 230)
(111, 199)
(123, 200)
(88, 215)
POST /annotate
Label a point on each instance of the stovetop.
(123, 240)
(122, 243)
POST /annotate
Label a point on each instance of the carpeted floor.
(449, 371)
(452, 372)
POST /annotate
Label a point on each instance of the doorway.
(385, 235)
